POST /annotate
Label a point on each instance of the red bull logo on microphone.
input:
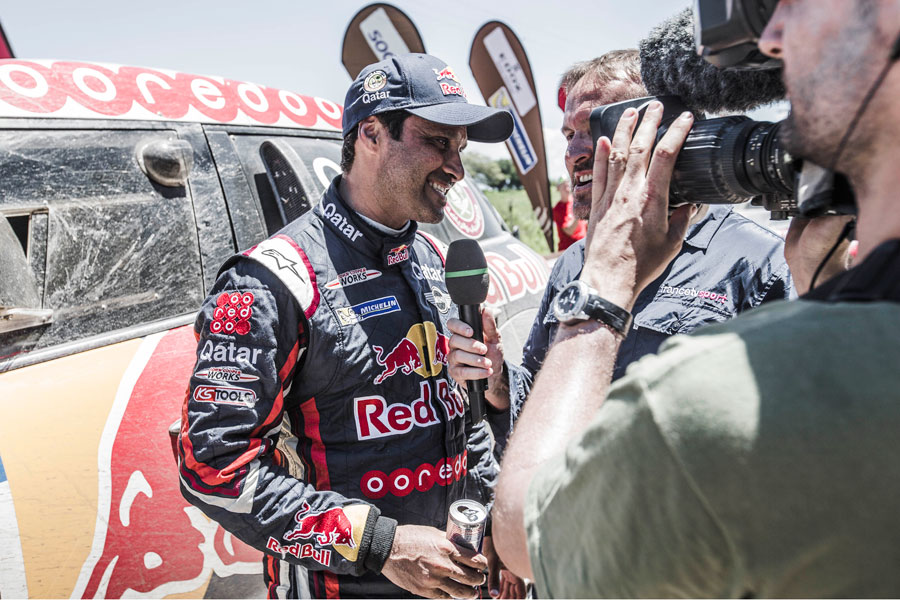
(423, 351)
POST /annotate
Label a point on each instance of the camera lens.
(730, 160)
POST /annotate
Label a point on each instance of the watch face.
(569, 303)
(568, 299)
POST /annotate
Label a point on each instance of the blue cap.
(426, 87)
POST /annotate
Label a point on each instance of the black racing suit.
(320, 413)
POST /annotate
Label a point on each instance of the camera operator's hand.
(631, 238)
(502, 583)
(470, 359)
(424, 562)
(807, 243)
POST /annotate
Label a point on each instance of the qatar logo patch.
(375, 81)
(232, 313)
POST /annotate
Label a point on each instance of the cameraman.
(756, 458)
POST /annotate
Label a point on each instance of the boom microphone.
(467, 279)
(670, 66)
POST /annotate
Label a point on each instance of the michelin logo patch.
(367, 310)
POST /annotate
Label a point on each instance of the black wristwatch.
(579, 302)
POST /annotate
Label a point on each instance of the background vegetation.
(515, 208)
(500, 183)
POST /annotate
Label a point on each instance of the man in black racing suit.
(321, 426)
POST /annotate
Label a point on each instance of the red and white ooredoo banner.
(77, 90)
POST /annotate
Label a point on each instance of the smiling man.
(727, 263)
(333, 439)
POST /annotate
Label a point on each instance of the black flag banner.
(375, 33)
(504, 77)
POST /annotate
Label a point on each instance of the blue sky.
(296, 45)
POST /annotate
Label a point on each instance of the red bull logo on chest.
(423, 351)
(397, 255)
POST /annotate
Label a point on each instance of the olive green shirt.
(759, 457)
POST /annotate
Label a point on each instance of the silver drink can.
(465, 524)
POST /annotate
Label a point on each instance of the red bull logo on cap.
(423, 351)
(449, 89)
(446, 73)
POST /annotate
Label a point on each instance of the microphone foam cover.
(670, 66)
(466, 273)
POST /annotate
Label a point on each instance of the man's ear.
(369, 131)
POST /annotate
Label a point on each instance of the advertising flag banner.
(504, 77)
(5, 48)
(376, 32)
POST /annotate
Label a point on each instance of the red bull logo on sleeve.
(320, 555)
(423, 351)
(329, 528)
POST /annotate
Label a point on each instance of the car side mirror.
(166, 162)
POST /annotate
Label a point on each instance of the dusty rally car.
(122, 191)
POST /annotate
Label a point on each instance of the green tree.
(510, 175)
(484, 169)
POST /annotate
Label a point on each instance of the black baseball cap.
(426, 87)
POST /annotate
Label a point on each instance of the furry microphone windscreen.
(670, 65)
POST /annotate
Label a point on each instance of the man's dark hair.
(392, 119)
(619, 66)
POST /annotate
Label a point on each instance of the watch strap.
(608, 313)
